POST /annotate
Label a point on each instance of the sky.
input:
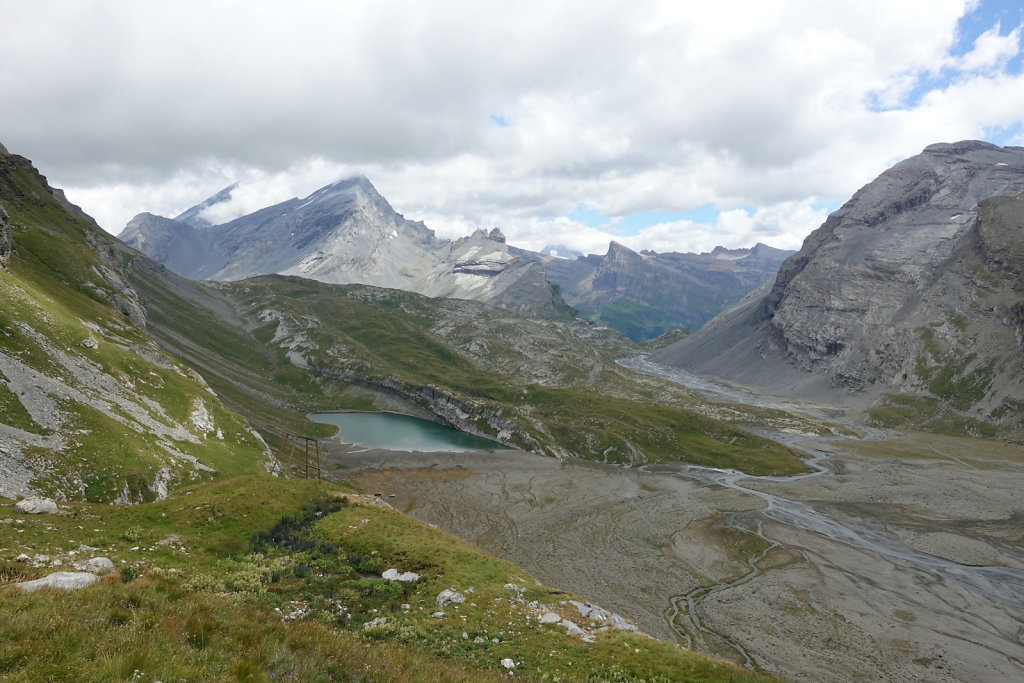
(662, 124)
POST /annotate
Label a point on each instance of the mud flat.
(703, 564)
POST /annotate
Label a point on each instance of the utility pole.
(311, 450)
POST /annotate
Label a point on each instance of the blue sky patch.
(500, 121)
(1009, 14)
(635, 222)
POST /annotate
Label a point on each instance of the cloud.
(467, 115)
(992, 51)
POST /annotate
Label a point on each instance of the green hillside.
(224, 572)
(91, 407)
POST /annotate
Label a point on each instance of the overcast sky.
(672, 125)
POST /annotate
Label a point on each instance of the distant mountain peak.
(560, 251)
(618, 251)
(345, 233)
(194, 215)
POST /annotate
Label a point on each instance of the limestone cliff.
(912, 288)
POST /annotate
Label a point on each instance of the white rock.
(550, 618)
(437, 615)
(448, 596)
(508, 663)
(22, 558)
(593, 612)
(394, 575)
(621, 624)
(63, 580)
(572, 629)
(201, 418)
(379, 621)
(96, 565)
(36, 506)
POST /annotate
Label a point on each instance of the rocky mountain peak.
(344, 233)
(195, 216)
(901, 291)
(620, 252)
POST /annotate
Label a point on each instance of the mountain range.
(344, 233)
(347, 233)
(646, 294)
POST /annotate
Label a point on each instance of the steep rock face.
(345, 233)
(643, 295)
(907, 288)
(480, 267)
(175, 244)
(6, 239)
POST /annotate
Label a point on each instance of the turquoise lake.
(401, 433)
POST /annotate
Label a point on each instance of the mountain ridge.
(346, 233)
(892, 299)
(646, 294)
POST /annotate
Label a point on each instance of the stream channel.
(1002, 584)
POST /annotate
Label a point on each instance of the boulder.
(549, 618)
(62, 580)
(96, 565)
(450, 596)
(621, 624)
(379, 621)
(36, 506)
(395, 575)
(572, 628)
(592, 612)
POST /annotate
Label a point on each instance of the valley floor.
(701, 564)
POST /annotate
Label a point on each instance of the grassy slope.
(536, 381)
(55, 296)
(201, 573)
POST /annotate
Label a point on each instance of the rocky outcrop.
(344, 233)
(36, 506)
(175, 244)
(905, 289)
(481, 268)
(6, 239)
(61, 580)
(645, 294)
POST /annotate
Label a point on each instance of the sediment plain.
(926, 585)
